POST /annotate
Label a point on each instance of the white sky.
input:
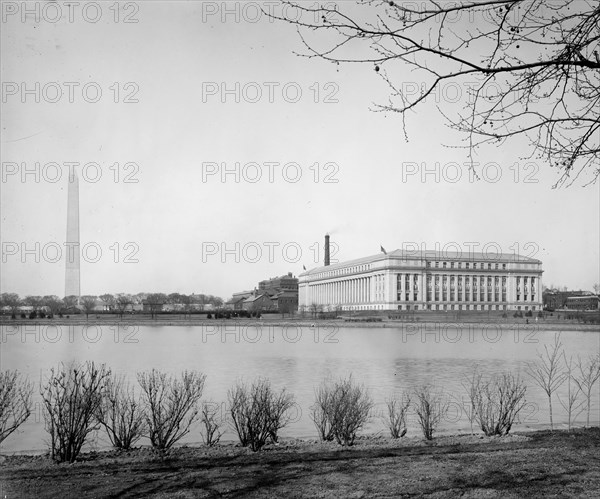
(178, 219)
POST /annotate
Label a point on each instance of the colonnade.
(343, 291)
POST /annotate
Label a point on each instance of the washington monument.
(72, 276)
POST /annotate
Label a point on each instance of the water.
(299, 358)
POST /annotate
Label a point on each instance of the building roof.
(430, 255)
(254, 298)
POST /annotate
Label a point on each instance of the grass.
(541, 464)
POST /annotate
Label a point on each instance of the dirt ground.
(539, 464)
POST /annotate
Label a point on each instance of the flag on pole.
(383, 250)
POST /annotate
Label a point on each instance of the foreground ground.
(540, 464)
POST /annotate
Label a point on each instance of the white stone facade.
(438, 281)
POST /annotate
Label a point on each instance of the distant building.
(275, 285)
(285, 302)
(258, 303)
(237, 300)
(586, 302)
(425, 280)
(281, 295)
(555, 299)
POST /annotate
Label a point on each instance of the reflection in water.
(386, 360)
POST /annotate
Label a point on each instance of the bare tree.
(171, 405)
(471, 386)
(15, 402)
(88, 303)
(71, 397)
(122, 302)
(12, 301)
(258, 412)
(121, 413)
(588, 375)
(430, 406)
(34, 302)
(211, 421)
(314, 310)
(156, 301)
(109, 300)
(547, 371)
(53, 302)
(528, 67)
(571, 403)
(71, 301)
(397, 410)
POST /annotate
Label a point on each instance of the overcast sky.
(197, 93)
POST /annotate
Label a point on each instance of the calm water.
(386, 360)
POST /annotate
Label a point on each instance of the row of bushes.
(81, 398)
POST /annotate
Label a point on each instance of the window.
(467, 265)
(444, 265)
(503, 266)
(496, 266)
(474, 265)
(489, 266)
(451, 265)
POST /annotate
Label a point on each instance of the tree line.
(118, 303)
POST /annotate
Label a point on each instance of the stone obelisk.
(72, 275)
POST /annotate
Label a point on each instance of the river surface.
(386, 360)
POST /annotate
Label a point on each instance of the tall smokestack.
(72, 267)
(326, 250)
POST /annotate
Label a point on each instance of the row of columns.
(361, 290)
(345, 291)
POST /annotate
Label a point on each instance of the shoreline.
(303, 322)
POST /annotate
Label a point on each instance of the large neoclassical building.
(425, 280)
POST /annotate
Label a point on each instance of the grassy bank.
(538, 464)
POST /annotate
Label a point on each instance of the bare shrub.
(496, 402)
(588, 375)
(572, 403)
(171, 405)
(15, 402)
(121, 413)
(340, 410)
(258, 412)
(71, 399)
(322, 412)
(211, 422)
(547, 371)
(430, 407)
(397, 409)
